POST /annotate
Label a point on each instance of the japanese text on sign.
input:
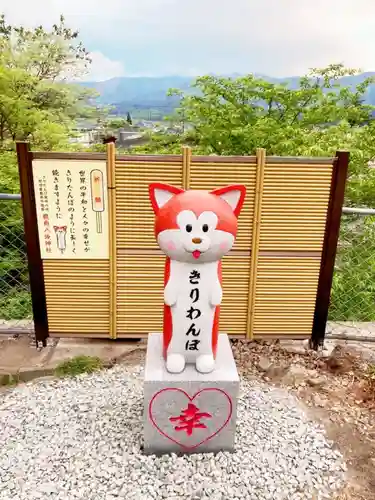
(44, 205)
(71, 210)
(84, 205)
(71, 201)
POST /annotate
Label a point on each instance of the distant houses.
(146, 124)
(127, 139)
(84, 137)
(87, 133)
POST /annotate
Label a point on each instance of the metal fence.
(15, 298)
(353, 292)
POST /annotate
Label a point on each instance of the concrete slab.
(21, 352)
(106, 350)
(26, 325)
(20, 360)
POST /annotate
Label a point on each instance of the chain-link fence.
(15, 298)
(353, 292)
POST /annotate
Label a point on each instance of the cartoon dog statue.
(194, 229)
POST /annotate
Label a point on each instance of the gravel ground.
(81, 438)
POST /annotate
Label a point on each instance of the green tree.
(159, 143)
(36, 102)
(116, 123)
(48, 55)
(236, 116)
(129, 118)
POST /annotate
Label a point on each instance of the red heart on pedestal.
(203, 408)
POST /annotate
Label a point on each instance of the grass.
(16, 304)
(8, 380)
(78, 365)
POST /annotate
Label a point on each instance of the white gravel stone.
(82, 439)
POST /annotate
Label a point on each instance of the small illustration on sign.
(190, 419)
(97, 197)
(60, 232)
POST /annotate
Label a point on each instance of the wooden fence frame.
(331, 236)
(35, 265)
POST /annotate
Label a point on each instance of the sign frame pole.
(34, 260)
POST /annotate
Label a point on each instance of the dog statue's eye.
(205, 228)
(189, 228)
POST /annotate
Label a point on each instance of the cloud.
(102, 68)
(158, 37)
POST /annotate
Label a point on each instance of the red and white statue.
(195, 229)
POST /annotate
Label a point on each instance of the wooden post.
(35, 264)
(111, 176)
(186, 161)
(332, 230)
(253, 272)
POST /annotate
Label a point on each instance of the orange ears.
(160, 194)
(234, 195)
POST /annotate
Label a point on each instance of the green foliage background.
(36, 104)
(14, 296)
(225, 116)
(353, 294)
(237, 116)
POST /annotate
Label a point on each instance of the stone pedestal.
(190, 411)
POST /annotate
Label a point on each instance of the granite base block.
(189, 412)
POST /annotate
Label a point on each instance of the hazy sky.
(191, 37)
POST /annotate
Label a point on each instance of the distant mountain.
(140, 90)
(137, 93)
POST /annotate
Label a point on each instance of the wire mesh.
(353, 289)
(15, 297)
